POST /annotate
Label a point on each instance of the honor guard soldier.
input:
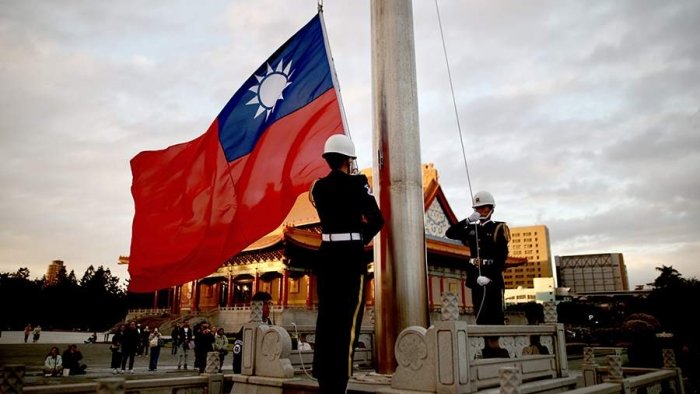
(350, 218)
(488, 246)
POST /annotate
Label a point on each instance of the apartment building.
(53, 270)
(532, 243)
(601, 272)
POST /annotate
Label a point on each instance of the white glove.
(483, 281)
(474, 217)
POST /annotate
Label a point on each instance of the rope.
(461, 141)
(303, 367)
(454, 102)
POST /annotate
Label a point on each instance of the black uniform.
(350, 218)
(493, 240)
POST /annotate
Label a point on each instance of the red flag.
(201, 202)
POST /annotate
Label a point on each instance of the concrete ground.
(97, 357)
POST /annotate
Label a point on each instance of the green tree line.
(96, 302)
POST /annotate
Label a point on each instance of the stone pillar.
(272, 348)
(510, 380)
(155, 299)
(434, 360)
(216, 384)
(284, 291)
(550, 313)
(212, 363)
(450, 307)
(256, 308)
(195, 296)
(615, 367)
(110, 386)
(309, 291)
(12, 378)
(669, 357)
(229, 296)
(415, 356)
(588, 367)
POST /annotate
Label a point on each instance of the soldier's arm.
(374, 221)
(502, 238)
(458, 231)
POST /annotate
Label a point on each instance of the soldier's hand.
(474, 217)
(483, 281)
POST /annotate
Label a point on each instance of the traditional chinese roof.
(301, 228)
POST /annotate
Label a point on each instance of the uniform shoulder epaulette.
(311, 193)
(361, 177)
(506, 230)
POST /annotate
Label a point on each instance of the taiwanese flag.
(201, 202)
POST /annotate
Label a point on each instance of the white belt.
(475, 261)
(341, 237)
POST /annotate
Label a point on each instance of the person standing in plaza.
(145, 337)
(116, 348)
(203, 344)
(184, 344)
(220, 345)
(36, 334)
(130, 341)
(488, 248)
(27, 331)
(350, 218)
(175, 337)
(154, 343)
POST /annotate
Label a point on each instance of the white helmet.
(483, 198)
(340, 143)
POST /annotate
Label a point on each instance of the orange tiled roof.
(303, 213)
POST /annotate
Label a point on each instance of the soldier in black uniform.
(350, 218)
(488, 245)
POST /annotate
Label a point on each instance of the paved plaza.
(97, 356)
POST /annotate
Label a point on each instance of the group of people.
(34, 332)
(185, 340)
(201, 339)
(130, 341)
(70, 361)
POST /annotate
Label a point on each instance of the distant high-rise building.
(532, 243)
(52, 271)
(592, 272)
(542, 291)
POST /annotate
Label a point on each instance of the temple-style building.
(281, 263)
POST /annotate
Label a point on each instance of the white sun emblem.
(270, 87)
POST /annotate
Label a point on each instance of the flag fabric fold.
(201, 202)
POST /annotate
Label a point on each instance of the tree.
(669, 277)
(96, 302)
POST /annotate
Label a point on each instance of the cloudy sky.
(582, 116)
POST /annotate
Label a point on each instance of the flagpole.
(334, 76)
(399, 253)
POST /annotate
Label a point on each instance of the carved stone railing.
(626, 379)
(447, 357)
